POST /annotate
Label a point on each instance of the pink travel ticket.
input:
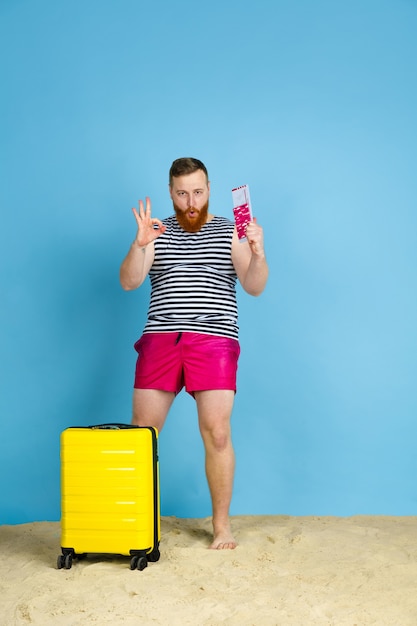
(242, 209)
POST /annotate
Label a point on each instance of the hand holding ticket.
(242, 210)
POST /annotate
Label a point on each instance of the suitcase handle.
(112, 426)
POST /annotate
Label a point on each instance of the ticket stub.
(242, 209)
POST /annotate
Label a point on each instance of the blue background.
(313, 104)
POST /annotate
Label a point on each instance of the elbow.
(255, 292)
(128, 285)
(255, 288)
(125, 285)
(255, 278)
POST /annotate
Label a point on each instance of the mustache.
(190, 209)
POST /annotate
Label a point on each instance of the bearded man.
(193, 259)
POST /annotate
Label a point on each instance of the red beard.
(191, 220)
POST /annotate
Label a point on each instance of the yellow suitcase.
(110, 493)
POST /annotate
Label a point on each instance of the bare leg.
(214, 412)
(150, 407)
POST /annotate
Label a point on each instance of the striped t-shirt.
(194, 281)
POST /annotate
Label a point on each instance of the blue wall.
(314, 105)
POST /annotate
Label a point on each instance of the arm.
(249, 259)
(139, 259)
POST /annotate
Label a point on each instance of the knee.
(217, 439)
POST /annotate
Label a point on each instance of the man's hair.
(185, 166)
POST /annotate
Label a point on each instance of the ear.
(170, 191)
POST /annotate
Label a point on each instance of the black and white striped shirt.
(193, 280)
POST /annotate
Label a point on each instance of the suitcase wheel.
(64, 561)
(138, 562)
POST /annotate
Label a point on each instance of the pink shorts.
(170, 361)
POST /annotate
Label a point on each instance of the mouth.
(191, 219)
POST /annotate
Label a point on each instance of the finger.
(148, 207)
(158, 230)
(141, 209)
(254, 230)
(251, 230)
(136, 215)
(156, 222)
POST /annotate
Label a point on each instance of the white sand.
(286, 571)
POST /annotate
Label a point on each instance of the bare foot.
(223, 540)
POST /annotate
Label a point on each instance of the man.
(193, 259)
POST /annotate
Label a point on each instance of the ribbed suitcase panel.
(108, 490)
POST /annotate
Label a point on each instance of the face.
(190, 195)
